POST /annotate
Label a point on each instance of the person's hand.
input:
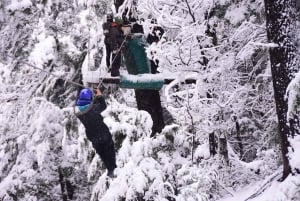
(98, 92)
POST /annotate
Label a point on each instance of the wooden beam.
(187, 81)
(116, 80)
(110, 80)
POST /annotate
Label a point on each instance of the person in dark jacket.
(106, 26)
(116, 39)
(88, 110)
(154, 37)
(113, 41)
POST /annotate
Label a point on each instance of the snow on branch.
(267, 45)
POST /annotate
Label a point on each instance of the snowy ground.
(271, 189)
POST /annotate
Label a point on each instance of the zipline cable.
(49, 73)
(68, 80)
(113, 60)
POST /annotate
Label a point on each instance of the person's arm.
(105, 28)
(99, 101)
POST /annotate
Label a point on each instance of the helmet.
(119, 20)
(85, 97)
(109, 17)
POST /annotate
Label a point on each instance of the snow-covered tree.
(45, 48)
(281, 31)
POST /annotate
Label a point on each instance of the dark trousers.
(116, 63)
(149, 100)
(106, 151)
(108, 53)
(154, 65)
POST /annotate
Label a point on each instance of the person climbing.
(106, 26)
(154, 37)
(116, 38)
(88, 111)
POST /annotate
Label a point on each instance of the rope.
(90, 24)
(68, 80)
(49, 73)
(118, 50)
(122, 44)
(65, 79)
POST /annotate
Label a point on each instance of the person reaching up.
(88, 110)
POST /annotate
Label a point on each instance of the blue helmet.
(85, 97)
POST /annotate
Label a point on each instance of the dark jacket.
(155, 34)
(106, 27)
(96, 130)
(137, 28)
(115, 36)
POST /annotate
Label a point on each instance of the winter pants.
(116, 63)
(149, 100)
(106, 151)
(108, 53)
(154, 65)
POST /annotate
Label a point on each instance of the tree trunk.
(280, 16)
(149, 100)
(118, 3)
(212, 144)
(239, 139)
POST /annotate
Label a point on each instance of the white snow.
(44, 51)
(39, 138)
(236, 15)
(294, 155)
(275, 191)
(19, 5)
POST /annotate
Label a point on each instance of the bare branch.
(190, 11)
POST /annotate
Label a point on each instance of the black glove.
(101, 87)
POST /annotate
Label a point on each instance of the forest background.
(222, 44)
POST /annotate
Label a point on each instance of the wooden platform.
(94, 77)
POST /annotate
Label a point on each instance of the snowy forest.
(232, 134)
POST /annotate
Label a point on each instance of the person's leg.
(116, 62)
(149, 100)
(106, 151)
(153, 67)
(109, 156)
(108, 53)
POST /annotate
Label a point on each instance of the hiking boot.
(110, 173)
(115, 74)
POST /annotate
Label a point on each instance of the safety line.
(113, 59)
(49, 73)
(68, 80)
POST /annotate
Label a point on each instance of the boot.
(110, 173)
